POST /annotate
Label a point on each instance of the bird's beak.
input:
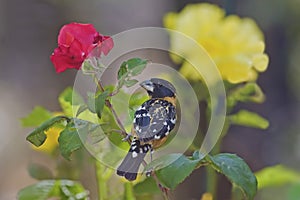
(147, 85)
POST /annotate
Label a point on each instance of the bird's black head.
(159, 88)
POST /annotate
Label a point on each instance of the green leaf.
(62, 189)
(38, 136)
(100, 102)
(169, 166)
(122, 71)
(96, 102)
(277, 175)
(136, 65)
(133, 67)
(91, 102)
(237, 171)
(81, 109)
(178, 171)
(69, 141)
(39, 172)
(163, 161)
(128, 69)
(249, 119)
(75, 134)
(70, 95)
(148, 186)
(37, 116)
(129, 83)
(69, 98)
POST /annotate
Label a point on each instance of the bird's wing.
(154, 119)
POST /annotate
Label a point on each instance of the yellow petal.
(235, 44)
(260, 62)
(169, 20)
(188, 71)
(235, 69)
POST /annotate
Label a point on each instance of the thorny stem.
(124, 133)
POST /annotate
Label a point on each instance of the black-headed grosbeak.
(152, 123)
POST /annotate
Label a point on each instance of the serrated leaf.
(162, 161)
(75, 134)
(122, 71)
(37, 116)
(237, 171)
(148, 186)
(91, 102)
(96, 102)
(249, 119)
(39, 172)
(38, 136)
(128, 69)
(277, 175)
(69, 141)
(134, 62)
(182, 167)
(62, 189)
(169, 166)
(100, 102)
(129, 83)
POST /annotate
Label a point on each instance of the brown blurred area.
(28, 35)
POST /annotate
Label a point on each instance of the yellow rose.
(236, 45)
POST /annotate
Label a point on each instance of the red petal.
(84, 33)
(107, 44)
(66, 58)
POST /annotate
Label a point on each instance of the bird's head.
(159, 88)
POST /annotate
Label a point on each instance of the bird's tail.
(131, 163)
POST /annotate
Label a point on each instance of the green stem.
(128, 193)
(212, 177)
(101, 181)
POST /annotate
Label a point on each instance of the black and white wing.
(154, 119)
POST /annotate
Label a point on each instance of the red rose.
(75, 43)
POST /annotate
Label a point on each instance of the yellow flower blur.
(51, 141)
(236, 45)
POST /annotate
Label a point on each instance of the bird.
(153, 121)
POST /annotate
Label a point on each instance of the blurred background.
(28, 35)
